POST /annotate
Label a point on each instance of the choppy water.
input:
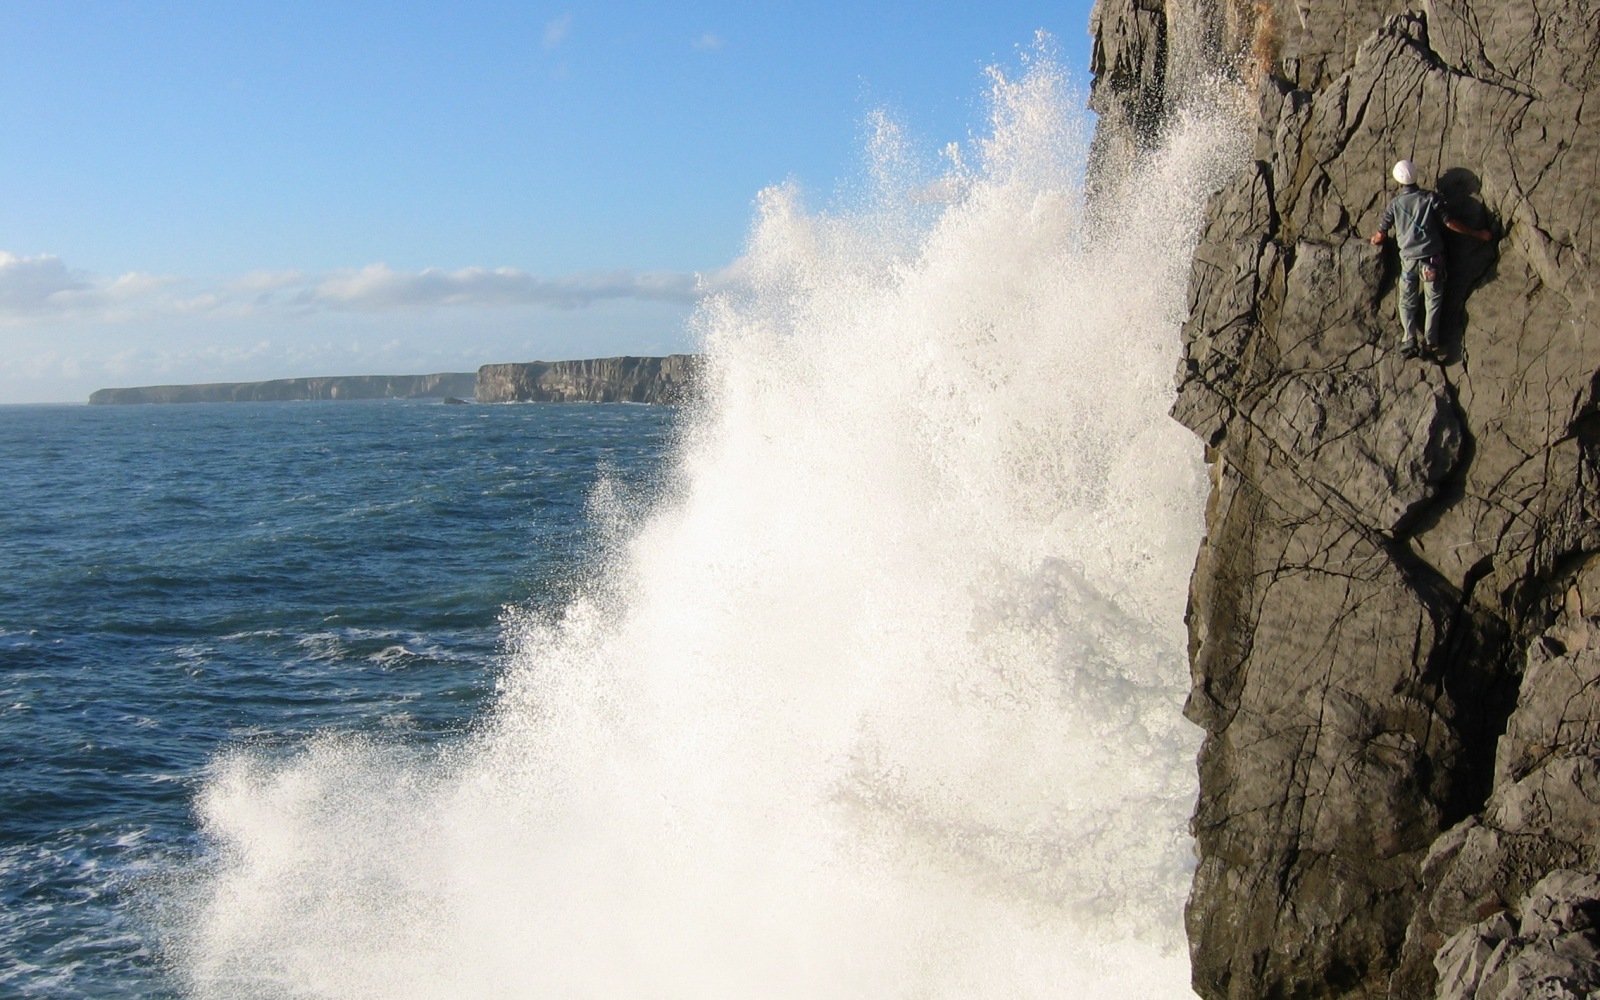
(182, 581)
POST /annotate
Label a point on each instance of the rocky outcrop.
(1538, 833)
(1552, 952)
(1395, 614)
(668, 379)
(287, 389)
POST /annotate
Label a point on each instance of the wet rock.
(1129, 63)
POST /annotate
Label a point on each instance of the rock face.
(276, 390)
(600, 380)
(1395, 615)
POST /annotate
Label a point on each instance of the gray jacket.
(1416, 218)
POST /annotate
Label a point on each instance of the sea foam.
(880, 698)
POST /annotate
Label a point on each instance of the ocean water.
(859, 680)
(182, 582)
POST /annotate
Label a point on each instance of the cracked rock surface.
(1553, 955)
(1395, 615)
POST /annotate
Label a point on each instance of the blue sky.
(216, 192)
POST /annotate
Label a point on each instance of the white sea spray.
(880, 700)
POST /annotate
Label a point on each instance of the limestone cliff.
(667, 379)
(285, 389)
(1395, 614)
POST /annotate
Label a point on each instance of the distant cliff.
(599, 380)
(667, 379)
(1395, 615)
(285, 389)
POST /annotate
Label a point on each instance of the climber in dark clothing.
(1418, 219)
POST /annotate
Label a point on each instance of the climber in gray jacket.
(1418, 219)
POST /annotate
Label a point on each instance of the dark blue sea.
(176, 581)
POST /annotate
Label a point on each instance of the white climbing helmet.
(1405, 172)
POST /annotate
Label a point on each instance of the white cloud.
(36, 284)
(36, 288)
(709, 42)
(134, 285)
(377, 286)
(266, 281)
(556, 31)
